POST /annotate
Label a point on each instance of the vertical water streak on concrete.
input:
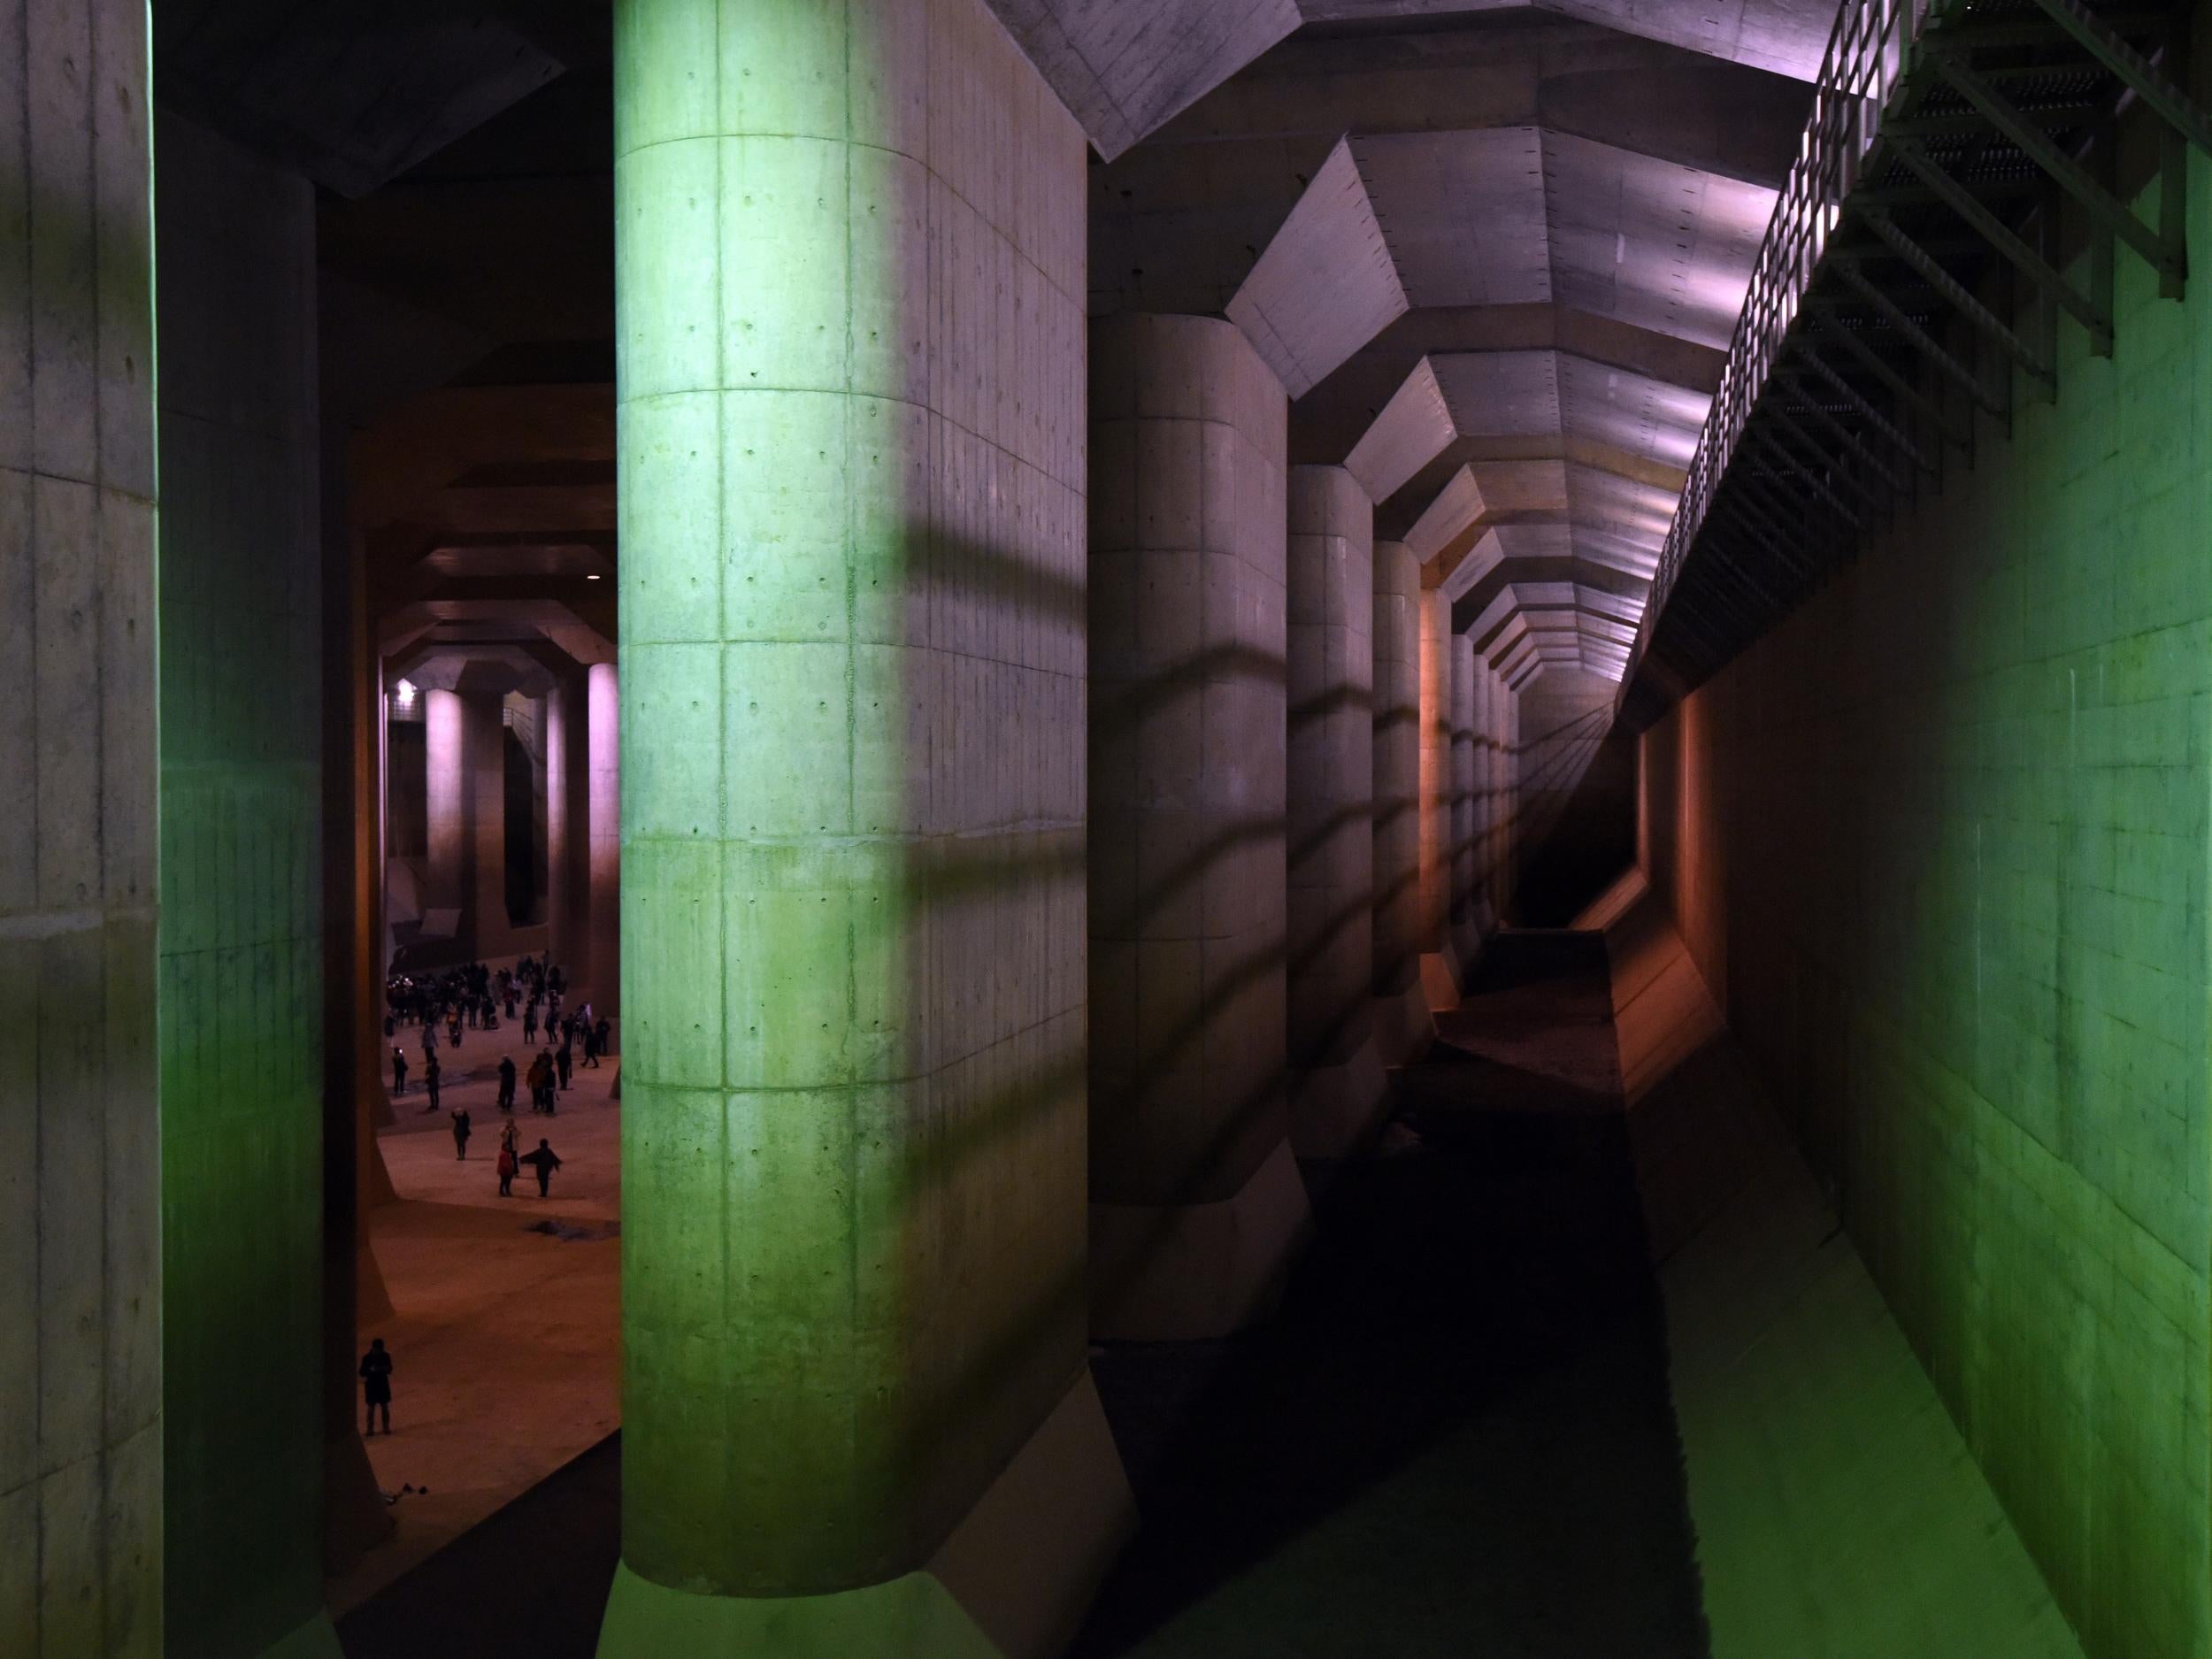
(1195, 1198)
(1403, 1026)
(1337, 1087)
(601, 979)
(849, 380)
(79, 1166)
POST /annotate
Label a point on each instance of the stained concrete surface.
(1457, 1437)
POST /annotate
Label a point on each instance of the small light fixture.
(406, 689)
(593, 577)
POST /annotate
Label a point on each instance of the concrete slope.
(1838, 1512)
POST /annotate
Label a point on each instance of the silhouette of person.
(543, 1161)
(506, 1083)
(399, 1071)
(460, 1132)
(376, 1384)
(430, 1081)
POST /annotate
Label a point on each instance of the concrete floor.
(1456, 1438)
(506, 1339)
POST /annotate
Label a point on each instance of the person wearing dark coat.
(506, 1083)
(399, 1072)
(543, 1161)
(430, 1082)
(376, 1384)
(460, 1132)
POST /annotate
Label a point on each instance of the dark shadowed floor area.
(1456, 1440)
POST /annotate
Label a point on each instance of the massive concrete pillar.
(1439, 966)
(567, 825)
(858, 1413)
(1196, 1201)
(1402, 1025)
(486, 928)
(1338, 1091)
(602, 973)
(355, 1515)
(80, 1482)
(1467, 927)
(446, 801)
(242, 923)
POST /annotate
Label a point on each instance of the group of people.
(473, 997)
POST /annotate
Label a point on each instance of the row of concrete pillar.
(1283, 823)
(466, 818)
(1002, 905)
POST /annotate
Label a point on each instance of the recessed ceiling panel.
(1650, 242)
(1463, 213)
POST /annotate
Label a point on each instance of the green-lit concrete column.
(1403, 1026)
(858, 1416)
(80, 1139)
(1337, 1085)
(241, 962)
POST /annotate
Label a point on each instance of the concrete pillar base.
(371, 1302)
(1012, 1582)
(1403, 1025)
(356, 1518)
(1468, 933)
(1440, 978)
(1334, 1109)
(1177, 1272)
(318, 1639)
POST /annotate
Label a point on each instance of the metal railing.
(1866, 59)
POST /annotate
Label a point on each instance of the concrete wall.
(1193, 1188)
(1469, 693)
(240, 959)
(1940, 845)
(601, 982)
(1435, 816)
(1838, 1513)
(79, 1167)
(1401, 1011)
(849, 314)
(445, 799)
(485, 926)
(567, 825)
(1337, 1087)
(1497, 791)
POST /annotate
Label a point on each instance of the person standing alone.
(544, 1162)
(460, 1132)
(376, 1384)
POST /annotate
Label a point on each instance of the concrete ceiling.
(1125, 67)
(1784, 36)
(1496, 258)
